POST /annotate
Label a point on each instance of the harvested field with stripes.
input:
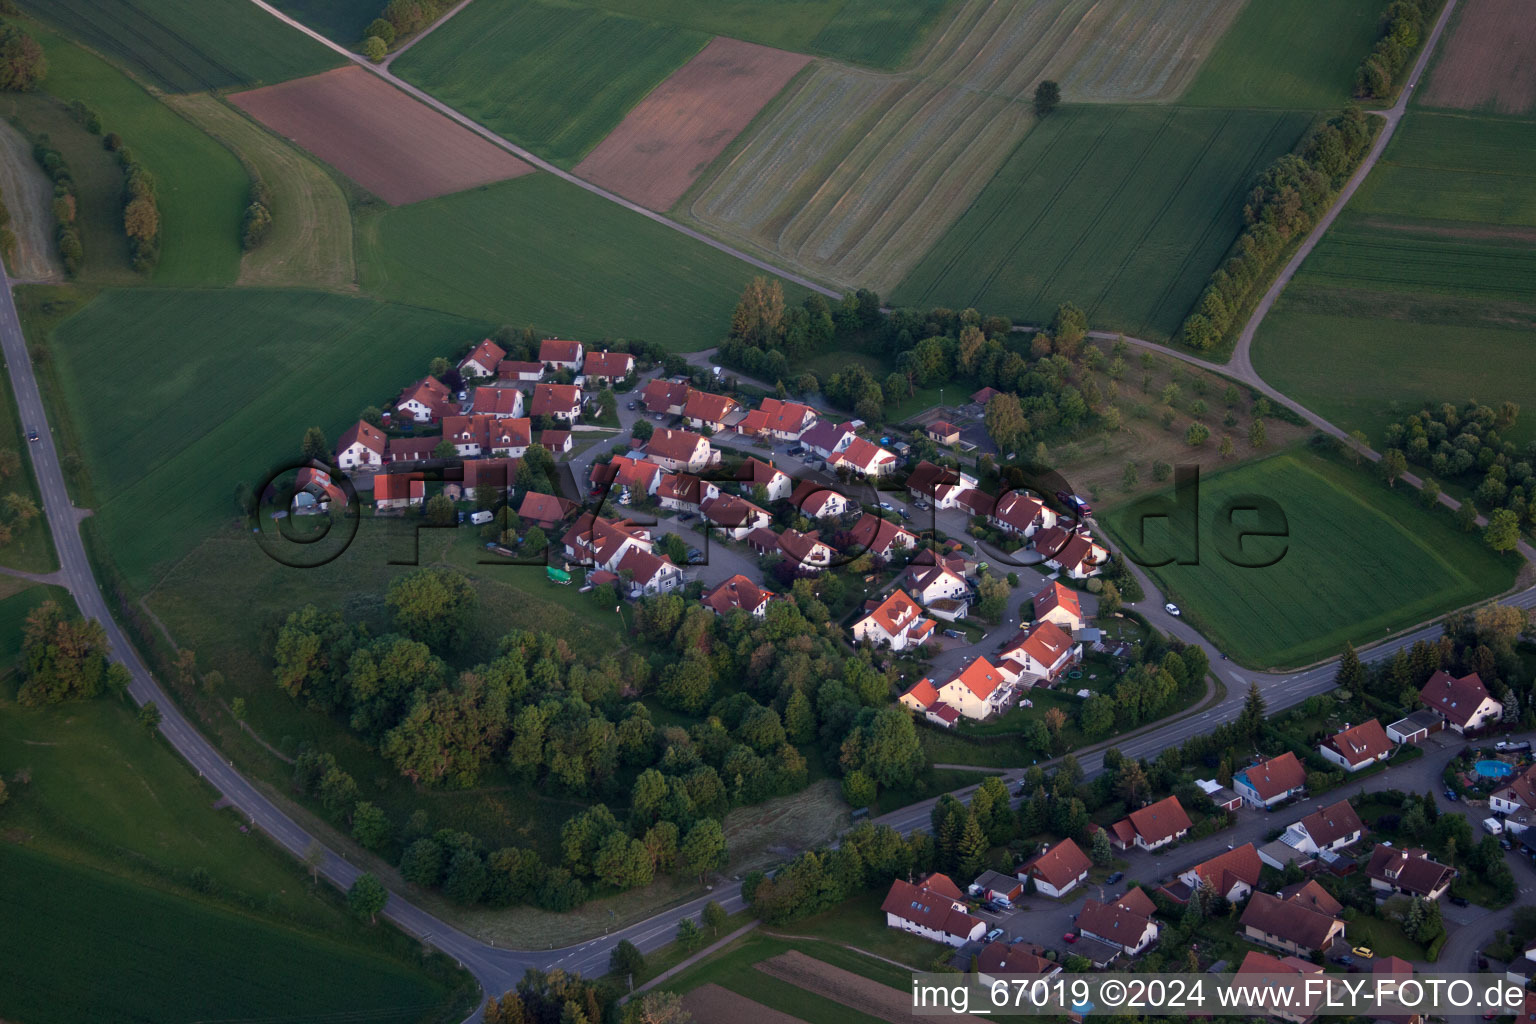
(1489, 61)
(852, 175)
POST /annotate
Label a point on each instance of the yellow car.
(1363, 952)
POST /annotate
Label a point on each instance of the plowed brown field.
(1489, 61)
(671, 136)
(400, 150)
(711, 1004)
(834, 983)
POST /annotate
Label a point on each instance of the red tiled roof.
(1061, 865)
(642, 565)
(1112, 922)
(549, 399)
(682, 487)
(554, 440)
(1293, 922)
(924, 692)
(487, 431)
(801, 547)
(674, 445)
(943, 711)
(1310, 894)
(875, 534)
(1045, 643)
(942, 428)
(429, 391)
(1052, 596)
(554, 350)
(809, 497)
(825, 434)
(499, 473)
(1332, 823)
(977, 502)
(545, 509)
(1364, 742)
(996, 958)
(981, 677)
(736, 592)
(1409, 870)
(389, 486)
(512, 369)
(927, 478)
(931, 908)
(1456, 699)
(707, 407)
(1226, 869)
(731, 511)
(865, 455)
(1018, 510)
(985, 395)
(488, 354)
(1275, 776)
(369, 435)
(1159, 821)
(608, 364)
(498, 401)
(756, 471)
(784, 417)
(1262, 963)
(895, 612)
(660, 395)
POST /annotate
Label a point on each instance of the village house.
(1057, 870)
(1463, 703)
(556, 442)
(393, 491)
(1358, 747)
(1294, 926)
(997, 962)
(473, 436)
(626, 477)
(756, 473)
(897, 623)
(1072, 552)
(738, 592)
(1232, 875)
(503, 403)
(1517, 795)
(939, 485)
(934, 909)
(648, 573)
(735, 517)
(806, 550)
(315, 488)
(977, 691)
(518, 370)
(484, 360)
(1397, 967)
(1412, 872)
(498, 476)
(1279, 967)
(1060, 606)
(985, 395)
(818, 501)
(704, 409)
(1329, 829)
(602, 543)
(681, 450)
(1151, 827)
(1415, 726)
(779, 420)
(1271, 782)
(557, 401)
(976, 502)
(1021, 514)
(923, 698)
(994, 885)
(930, 583)
(412, 449)
(881, 537)
(423, 401)
(603, 369)
(944, 432)
(684, 492)
(827, 439)
(556, 354)
(545, 511)
(1220, 795)
(1117, 925)
(664, 397)
(361, 446)
(1042, 653)
(864, 458)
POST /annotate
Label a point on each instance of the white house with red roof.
(557, 354)
(361, 446)
(881, 537)
(603, 543)
(943, 432)
(705, 409)
(780, 420)
(684, 492)
(473, 436)
(557, 401)
(1059, 605)
(398, 490)
(733, 516)
(496, 475)
(1021, 513)
(1357, 747)
(1463, 703)
(1270, 782)
(1117, 924)
(1057, 870)
(930, 583)
(923, 698)
(556, 442)
(897, 623)
(1042, 653)
(544, 510)
(826, 438)
(978, 691)
(806, 550)
(503, 403)
(423, 401)
(940, 485)
(680, 450)
(604, 368)
(519, 370)
(754, 472)
(484, 360)
(1151, 827)
(738, 592)
(648, 573)
(864, 458)
(1232, 874)
(1072, 552)
(664, 397)
(626, 476)
(818, 501)
(934, 908)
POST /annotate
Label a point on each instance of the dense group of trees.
(561, 998)
(65, 659)
(1290, 195)
(141, 213)
(1401, 26)
(65, 204)
(23, 66)
(1468, 446)
(256, 222)
(398, 19)
(1145, 692)
(16, 509)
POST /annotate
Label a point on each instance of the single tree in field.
(1047, 97)
(626, 959)
(314, 857)
(375, 49)
(1503, 530)
(367, 897)
(315, 446)
(688, 934)
(1393, 465)
(714, 917)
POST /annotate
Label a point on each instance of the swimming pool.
(1494, 769)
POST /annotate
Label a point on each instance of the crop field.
(1298, 54)
(1123, 210)
(221, 398)
(1428, 276)
(401, 150)
(343, 21)
(667, 141)
(850, 176)
(202, 187)
(553, 77)
(541, 251)
(1488, 62)
(310, 244)
(877, 33)
(1360, 561)
(190, 45)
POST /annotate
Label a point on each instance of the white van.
(481, 518)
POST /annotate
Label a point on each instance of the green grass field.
(202, 188)
(30, 548)
(190, 45)
(536, 250)
(880, 33)
(1428, 276)
(341, 20)
(1361, 561)
(1300, 55)
(552, 76)
(1123, 210)
(103, 843)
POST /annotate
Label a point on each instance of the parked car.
(633, 405)
(686, 517)
(1450, 794)
(1461, 901)
(994, 934)
(1069, 938)
(1347, 961)
(954, 634)
(1506, 844)
(1363, 952)
(920, 504)
(1171, 608)
(887, 506)
(1075, 503)
(904, 513)
(1112, 879)
(695, 556)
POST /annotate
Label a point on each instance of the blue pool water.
(1494, 769)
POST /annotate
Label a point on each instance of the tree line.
(398, 19)
(65, 659)
(256, 222)
(1401, 26)
(65, 206)
(1291, 194)
(141, 211)
(23, 65)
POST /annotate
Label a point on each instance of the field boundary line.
(419, 36)
(678, 968)
(544, 165)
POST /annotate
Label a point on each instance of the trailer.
(559, 576)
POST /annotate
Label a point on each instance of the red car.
(1069, 938)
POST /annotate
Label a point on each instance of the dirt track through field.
(834, 983)
(28, 197)
(381, 138)
(1489, 60)
(711, 1004)
(673, 134)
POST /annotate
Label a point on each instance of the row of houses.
(596, 369)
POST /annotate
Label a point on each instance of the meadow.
(343, 21)
(1298, 55)
(190, 45)
(1123, 210)
(30, 548)
(851, 176)
(553, 77)
(877, 33)
(125, 865)
(1360, 561)
(537, 250)
(202, 188)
